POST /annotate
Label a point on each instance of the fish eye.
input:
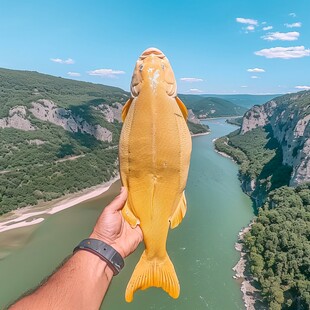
(141, 67)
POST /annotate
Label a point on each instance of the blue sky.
(220, 46)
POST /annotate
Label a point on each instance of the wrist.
(104, 252)
(108, 241)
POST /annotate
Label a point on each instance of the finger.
(139, 233)
(119, 201)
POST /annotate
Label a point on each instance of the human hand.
(112, 228)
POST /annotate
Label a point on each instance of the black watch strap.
(113, 259)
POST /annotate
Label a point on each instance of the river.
(201, 248)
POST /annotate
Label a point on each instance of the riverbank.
(222, 153)
(29, 215)
(249, 287)
(219, 117)
(201, 134)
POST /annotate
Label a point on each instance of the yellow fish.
(154, 154)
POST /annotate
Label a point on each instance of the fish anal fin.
(158, 273)
(179, 213)
(132, 220)
(182, 107)
(126, 108)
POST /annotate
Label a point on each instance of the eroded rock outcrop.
(289, 117)
(192, 117)
(46, 110)
(17, 118)
(111, 113)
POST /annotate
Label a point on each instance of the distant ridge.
(208, 107)
(245, 100)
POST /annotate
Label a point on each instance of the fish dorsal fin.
(179, 213)
(126, 108)
(182, 107)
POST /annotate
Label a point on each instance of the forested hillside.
(206, 107)
(260, 158)
(245, 100)
(279, 248)
(272, 148)
(57, 136)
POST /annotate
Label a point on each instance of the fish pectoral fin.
(126, 108)
(182, 107)
(129, 216)
(156, 272)
(179, 213)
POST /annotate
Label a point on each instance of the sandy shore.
(201, 134)
(251, 295)
(26, 217)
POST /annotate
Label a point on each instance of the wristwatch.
(113, 259)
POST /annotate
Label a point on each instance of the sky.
(214, 47)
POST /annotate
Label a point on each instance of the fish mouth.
(152, 51)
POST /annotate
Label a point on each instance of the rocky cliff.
(288, 117)
(46, 110)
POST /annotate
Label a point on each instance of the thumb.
(119, 201)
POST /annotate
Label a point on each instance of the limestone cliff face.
(17, 119)
(46, 110)
(111, 113)
(289, 118)
(192, 117)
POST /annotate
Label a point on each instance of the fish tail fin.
(158, 273)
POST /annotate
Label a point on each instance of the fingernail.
(122, 189)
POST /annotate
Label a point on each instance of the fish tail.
(158, 273)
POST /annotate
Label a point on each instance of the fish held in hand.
(154, 154)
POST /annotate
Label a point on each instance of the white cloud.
(68, 61)
(250, 28)
(254, 77)
(74, 74)
(246, 21)
(191, 79)
(292, 14)
(264, 23)
(267, 28)
(195, 91)
(283, 36)
(294, 25)
(256, 70)
(106, 73)
(244, 86)
(303, 87)
(284, 52)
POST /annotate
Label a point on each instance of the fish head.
(154, 71)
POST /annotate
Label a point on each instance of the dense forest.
(259, 157)
(278, 243)
(279, 248)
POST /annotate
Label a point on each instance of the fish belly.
(154, 154)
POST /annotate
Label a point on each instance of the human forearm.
(80, 283)
(83, 280)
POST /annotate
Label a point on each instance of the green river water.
(201, 248)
